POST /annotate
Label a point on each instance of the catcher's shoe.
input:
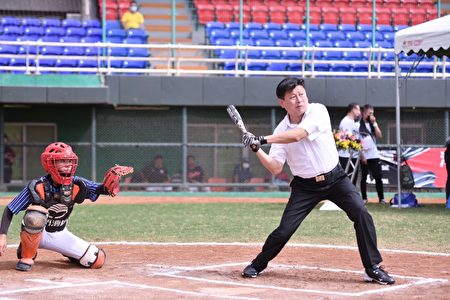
(250, 272)
(377, 274)
(22, 266)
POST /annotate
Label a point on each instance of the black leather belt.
(318, 178)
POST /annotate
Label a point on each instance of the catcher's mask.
(59, 152)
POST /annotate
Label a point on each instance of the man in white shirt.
(370, 158)
(350, 123)
(305, 141)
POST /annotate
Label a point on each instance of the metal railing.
(175, 65)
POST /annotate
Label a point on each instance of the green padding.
(51, 80)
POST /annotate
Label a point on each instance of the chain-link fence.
(104, 136)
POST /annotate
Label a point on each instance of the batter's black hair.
(287, 85)
(351, 106)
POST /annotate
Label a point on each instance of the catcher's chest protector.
(59, 209)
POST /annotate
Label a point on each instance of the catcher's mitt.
(112, 177)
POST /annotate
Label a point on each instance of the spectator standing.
(447, 166)
(133, 19)
(350, 124)
(370, 156)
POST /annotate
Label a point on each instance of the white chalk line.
(112, 284)
(175, 271)
(297, 245)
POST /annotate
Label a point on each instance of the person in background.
(370, 156)
(133, 19)
(447, 166)
(9, 158)
(195, 173)
(350, 124)
(242, 173)
(156, 172)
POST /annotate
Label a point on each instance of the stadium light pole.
(397, 129)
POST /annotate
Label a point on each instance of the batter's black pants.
(374, 166)
(305, 195)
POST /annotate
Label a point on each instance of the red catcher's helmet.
(59, 151)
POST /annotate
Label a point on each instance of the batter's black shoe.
(250, 272)
(377, 274)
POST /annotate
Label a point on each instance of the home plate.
(328, 205)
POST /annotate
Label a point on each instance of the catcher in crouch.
(48, 203)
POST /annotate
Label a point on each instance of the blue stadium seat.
(294, 67)
(328, 27)
(234, 33)
(4, 61)
(343, 44)
(364, 28)
(75, 31)
(115, 64)
(312, 27)
(44, 62)
(9, 21)
(70, 39)
(132, 40)
(272, 26)
(92, 51)
(264, 43)
(67, 63)
(134, 64)
(362, 44)
(8, 37)
(384, 28)
(112, 24)
(389, 36)
(278, 35)
(118, 51)
(51, 50)
(300, 43)
(291, 27)
(114, 40)
(18, 62)
(321, 67)
(284, 43)
(346, 28)
(232, 25)
(297, 35)
(51, 39)
(27, 22)
(214, 25)
(51, 22)
(334, 36)
(384, 44)
(137, 33)
(387, 68)
(87, 63)
(277, 67)
(331, 55)
(227, 53)
(323, 43)
(119, 33)
(33, 31)
(294, 54)
(218, 34)
(71, 23)
(258, 34)
(341, 67)
(24, 49)
(229, 66)
(270, 54)
(55, 31)
(94, 32)
(76, 51)
(253, 26)
(355, 36)
(138, 52)
(351, 55)
(8, 49)
(388, 56)
(224, 42)
(91, 24)
(91, 39)
(257, 66)
(360, 68)
(378, 36)
(245, 42)
(12, 30)
(317, 35)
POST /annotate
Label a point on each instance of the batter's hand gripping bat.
(236, 117)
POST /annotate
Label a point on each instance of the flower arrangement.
(346, 141)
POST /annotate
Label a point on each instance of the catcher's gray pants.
(305, 195)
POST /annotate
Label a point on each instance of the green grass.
(426, 228)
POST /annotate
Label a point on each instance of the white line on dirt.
(175, 270)
(112, 284)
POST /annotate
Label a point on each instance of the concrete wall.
(220, 91)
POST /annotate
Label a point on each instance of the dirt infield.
(210, 271)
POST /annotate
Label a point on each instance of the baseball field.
(194, 246)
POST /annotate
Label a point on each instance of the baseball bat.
(236, 117)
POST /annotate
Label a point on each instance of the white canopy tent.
(431, 39)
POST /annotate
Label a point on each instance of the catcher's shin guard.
(93, 258)
(33, 223)
(30, 243)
